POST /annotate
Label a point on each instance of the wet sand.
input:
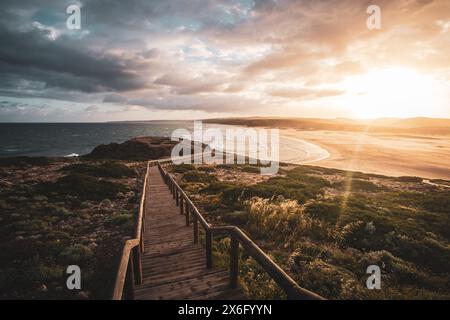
(391, 155)
(299, 151)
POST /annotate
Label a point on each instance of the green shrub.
(287, 188)
(183, 168)
(226, 166)
(434, 201)
(206, 169)
(256, 283)
(251, 169)
(282, 220)
(410, 179)
(40, 198)
(50, 271)
(296, 186)
(107, 169)
(31, 225)
(214, 203)
(58, 235)
(427, 252)
(82, 186)
(328, 212)
(236, 218)
(106, 202)
(26, 161)
(217, 187)
(55, 210)
(354, 234)
(76, 253)
(3, 204)
(194, 176)
(357, 185)
(232, 197)
(124, 220)
(85, 205)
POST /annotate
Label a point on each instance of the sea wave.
(72, 155)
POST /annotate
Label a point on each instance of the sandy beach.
(391, 155)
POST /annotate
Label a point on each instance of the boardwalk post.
(129, 281)
(141, 243)
(181, 205)
(234, 262)
(177, 196)
(195, 222)
(143, 218)
(136, 255)
(187, 216)
(208, 243)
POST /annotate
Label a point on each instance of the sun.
(391, 92)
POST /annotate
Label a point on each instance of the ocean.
(71, 139)
(64, 139)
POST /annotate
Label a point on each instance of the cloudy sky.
(175, 59)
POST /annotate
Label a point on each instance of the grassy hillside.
(60, 212)
(326, 226)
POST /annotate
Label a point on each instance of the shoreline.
(387, 155)
(314, 152)
(373, 153)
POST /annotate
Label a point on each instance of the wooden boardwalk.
(173, 267)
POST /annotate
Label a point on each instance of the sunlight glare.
(391, 92)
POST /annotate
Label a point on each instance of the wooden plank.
(174, 277)
(183, 288)
(174, 260)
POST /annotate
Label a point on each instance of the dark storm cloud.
(31, 55)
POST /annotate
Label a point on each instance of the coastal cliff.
(142, 148)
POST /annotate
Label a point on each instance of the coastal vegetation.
(61, 212)
(326, 226)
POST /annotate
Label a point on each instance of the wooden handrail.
(129, 272)
(238, 237)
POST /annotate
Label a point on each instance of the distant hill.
(422, 122)
(382, 125)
